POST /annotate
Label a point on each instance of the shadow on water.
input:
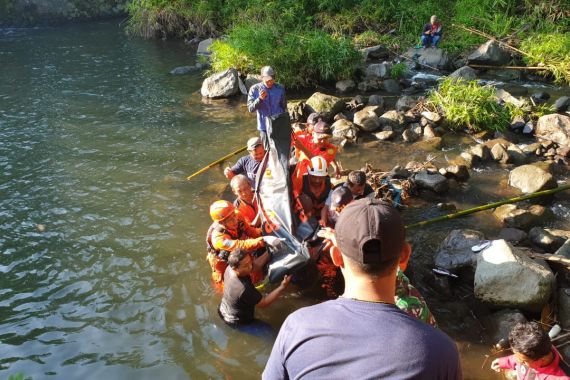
(102, 252)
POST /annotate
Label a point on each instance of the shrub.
(398, 70)
(551, 50)
(468, 105)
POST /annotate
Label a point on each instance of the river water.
(102, 252)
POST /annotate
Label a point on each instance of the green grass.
(398, 70)
(551, 50)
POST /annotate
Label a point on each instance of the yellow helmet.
(220, 210)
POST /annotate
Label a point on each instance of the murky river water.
(102, 270)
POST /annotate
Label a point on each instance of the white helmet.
(318, 167)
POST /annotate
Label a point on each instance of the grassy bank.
(308, 32)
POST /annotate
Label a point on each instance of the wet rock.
(512, 235)
(296, 110)
(431, 117)
(469, 159)
(344, 86)
(543, 238)
(490, 53)
(327, 105)
(446, 207)
(530, 148)
(466, 73)
(375, 52)
(392, 118)
(512, 216)
(367, 119)
(344, 129)
(251, 79)
(221, 85)
(392, 86)
(564, 307)
(506, 97)
(434, 182)
(554, 127)
(378, 70)
(564, 251)
(499, 153)
(429, 133)
(500, 324)
(431, 58)
(517, 123)
(370, 84)
(416, 128)
(530, 178)
(385, 135)
(498, 265)
(455, 252)
(481, 151)
(182, 70)
(203, 47)
(528, 128)
(540, 97)
(457, 172)
(376, 100)
(410, 136)
(508, 75)
(406, 103)
(562, 104)
(516, 155)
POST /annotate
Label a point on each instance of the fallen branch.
(508, 67)
(550, 257)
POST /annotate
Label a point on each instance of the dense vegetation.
(324, 32)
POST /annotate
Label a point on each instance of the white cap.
(267, 71)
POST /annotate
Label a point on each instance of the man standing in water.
(268, 99)
(362, 334)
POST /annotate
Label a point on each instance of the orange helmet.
(220, 210)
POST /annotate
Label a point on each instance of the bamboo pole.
(548, 257)
(489, 206)
(220, 160)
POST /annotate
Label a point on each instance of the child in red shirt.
(534, 356)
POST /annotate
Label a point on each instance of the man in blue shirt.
(268, 99)
(248, 165)
(363, 334)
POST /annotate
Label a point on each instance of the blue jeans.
(428, 41)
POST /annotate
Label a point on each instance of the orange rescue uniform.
(326, 151)
(247, 210)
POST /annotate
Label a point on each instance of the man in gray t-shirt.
(362, 334)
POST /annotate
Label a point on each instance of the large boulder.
(466, 73)
(490, 53)
(326, 105)
(431, 58)
(221, 85)
(455, 251)
(378, 70)
(530, 178)
(434, 182)
(367, 119)
(507, 277)
(204, 46)
(554, 127)
(344, 129)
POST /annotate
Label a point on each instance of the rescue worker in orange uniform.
(315, 186)
(245, 203)
(230, 231)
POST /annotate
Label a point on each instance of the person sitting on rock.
(249, 164)
(230, 231)
(534, 356)
(431, 34)
(245, 203)
(240, 296)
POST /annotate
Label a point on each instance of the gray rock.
(392, 86)
(429, 133)
(517, 123)
(457, 172)
(385, 135)
(564, 251)
(416, 128)
(344, 86)
(562, 104)
(406, 103)
(528, 128)
(431, 117)
(392, 118)
(221, 85)
(469, 159)
(296, 110)
(251, 79)
(375, 52)
(327, 105)
(505, 97)
(455, 252)
(490, 53)
(500, 324)
(431, 57)
(530, 178)
(554, 127)
(367, 119)
(370, 84)
(499, 153)
(183, 70)
(545, 240)
(512, 235)
(507, 277)
(434, 182)
(540, 97)
(378, 70)
(512, 216)
(344, 129)
(410, 136)
(481, 151)
(564, 307)
(465, 73)
(203, 47)
(376, 100)
(516, 155)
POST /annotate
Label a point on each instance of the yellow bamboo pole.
(489, 206)
(218, 161)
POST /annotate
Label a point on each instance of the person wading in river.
(268, 99)
(245, 203)
(249, 164)
(362, 334)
